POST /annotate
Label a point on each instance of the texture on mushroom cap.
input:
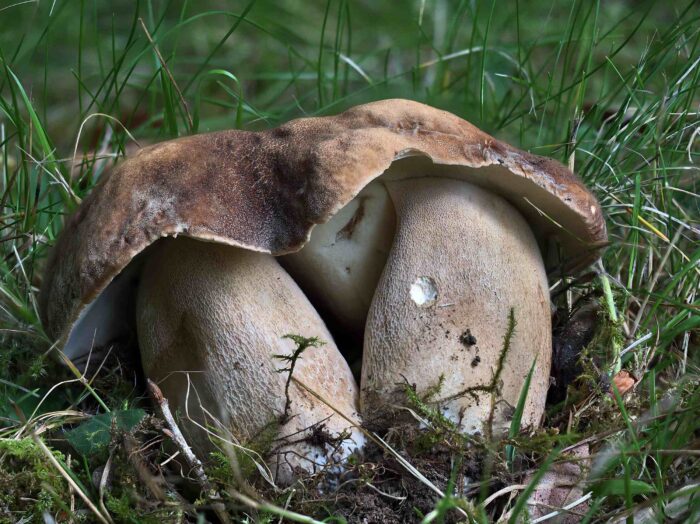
(264, 191)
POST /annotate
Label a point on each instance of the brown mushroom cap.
(264, 191)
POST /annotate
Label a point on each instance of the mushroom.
(430, 234)
(221, 313)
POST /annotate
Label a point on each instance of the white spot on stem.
(424, 291)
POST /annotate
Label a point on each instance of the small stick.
(164, 411)
(178, 438)
(71, 492)
(381, 443)
(103, 482)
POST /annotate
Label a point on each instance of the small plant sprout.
(303, 344)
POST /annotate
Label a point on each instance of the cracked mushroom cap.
(265, 191)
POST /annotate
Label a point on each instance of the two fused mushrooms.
(403, 225)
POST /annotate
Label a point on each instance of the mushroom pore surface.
(210, 320)
(341, 265)
(443, 285)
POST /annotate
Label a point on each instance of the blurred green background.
(545, 61)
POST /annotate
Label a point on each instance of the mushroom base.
(462, 259)
(211, 320)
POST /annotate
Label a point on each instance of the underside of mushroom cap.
(264, 191)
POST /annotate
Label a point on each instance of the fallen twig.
(103, 482)
(176, 435)
(178, 438)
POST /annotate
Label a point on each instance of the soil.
(381, 490)
(569, 338)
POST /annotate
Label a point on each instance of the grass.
(609, 89)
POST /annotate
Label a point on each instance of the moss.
(302, 343)
(597, 363)
(220, 469)
(122, 509)
(28, 481)
(442, 430)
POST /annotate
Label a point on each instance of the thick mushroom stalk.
(462, 259)
(210, 321)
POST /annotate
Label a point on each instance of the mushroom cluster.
(394, 223)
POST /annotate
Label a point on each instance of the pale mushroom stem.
(462, 259)
(210, 322)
